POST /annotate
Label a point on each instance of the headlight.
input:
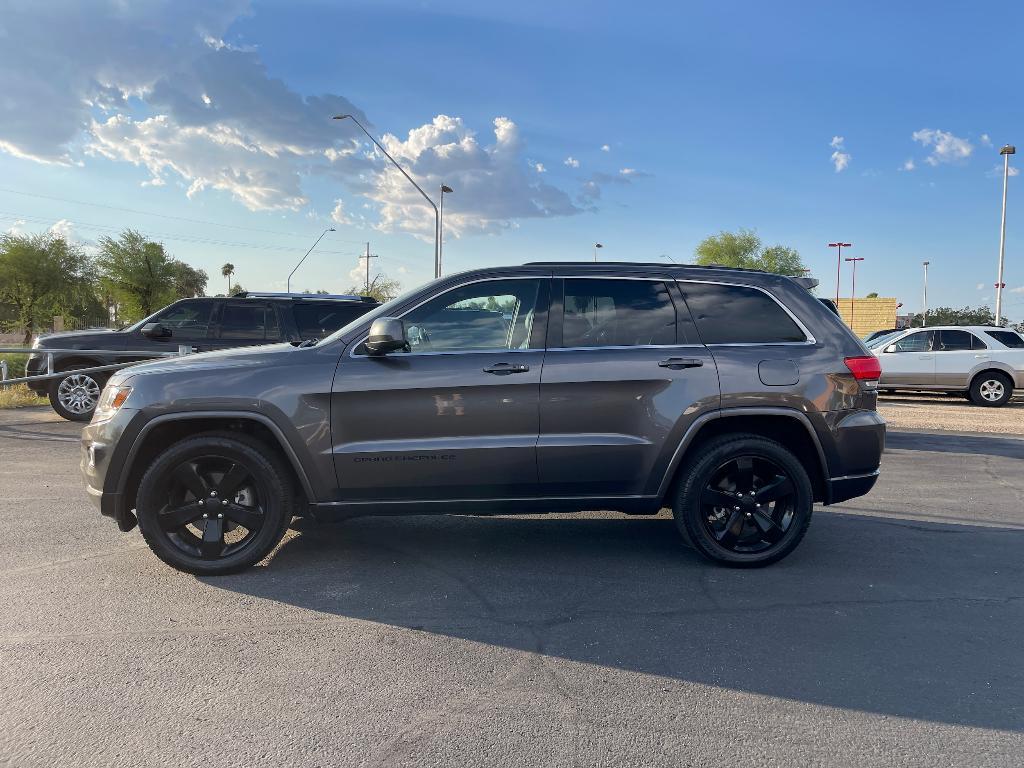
(110, 402)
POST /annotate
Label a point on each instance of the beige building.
(867, 315)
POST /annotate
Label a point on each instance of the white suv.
(984, 362)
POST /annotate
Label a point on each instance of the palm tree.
(227, 271)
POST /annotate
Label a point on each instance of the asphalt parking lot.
(892, 636)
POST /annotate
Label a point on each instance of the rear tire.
(215, 504)
(74, 397)
(744, 501)
(991, 389)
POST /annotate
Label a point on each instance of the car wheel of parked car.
(214, 504)
(744, 501)
(74, 397)
(991, 389)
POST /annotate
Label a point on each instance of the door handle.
(678, 363)
(504, 369)
(981, 357)
(925, 357)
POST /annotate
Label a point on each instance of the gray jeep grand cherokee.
(733, 397)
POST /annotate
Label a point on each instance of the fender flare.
(260, 418)
(725, 413)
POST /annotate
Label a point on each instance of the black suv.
(202, 324)
(733, 397)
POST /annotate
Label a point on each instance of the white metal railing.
(51, 373)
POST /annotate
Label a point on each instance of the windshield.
(882, 340)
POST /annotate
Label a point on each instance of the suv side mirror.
(156, 331)
(891, 348)
(387, 334)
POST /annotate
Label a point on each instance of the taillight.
(864, 368)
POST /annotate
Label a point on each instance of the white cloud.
(17, 228)
(185, 104)
(945, 147)
(605, 148)
(1018, 289)
(215, 157)
(492, 187)
(908, 165)
(980, 287)
(572, 162)
(985, 140)
(627, 171)
(338, 214)
(63, 228)
(996, 171)
(840, 158)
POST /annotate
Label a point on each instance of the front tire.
(74, 397)
(991, 389)
(744, 501)
(215, 504)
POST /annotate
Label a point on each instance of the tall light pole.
(924, 298)
(440, 227)
(329, 229)
(1006, 151)
(853, 285)
(437, 214)
(839, 264)
(596, 246)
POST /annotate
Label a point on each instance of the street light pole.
(853, 285)
(437, 214)
(596, 246)
(924, 300)
(839, 264)
(440, 227)
(1006, 151)
(329, 229)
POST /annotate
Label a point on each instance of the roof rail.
(318, 296)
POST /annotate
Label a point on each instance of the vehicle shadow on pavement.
(987, 445)
(904, 618)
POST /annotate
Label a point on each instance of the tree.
(39, 273)
(744, 249)
(871, 295)
(382, 288)
(188, 282)
(236, 289)
(950, 316)
(141, 276)
(227, 271)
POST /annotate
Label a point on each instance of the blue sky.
(645, 126)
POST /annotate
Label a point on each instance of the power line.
(159, 215)
(9, 216)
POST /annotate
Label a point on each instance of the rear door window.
(738, 314)
(617, 313)
(248, 322)
(958, 341)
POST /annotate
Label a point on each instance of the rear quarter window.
(1010, 339)
(738, 314)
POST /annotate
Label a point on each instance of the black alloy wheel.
(744, 501)
(748, 504)
(214, 504)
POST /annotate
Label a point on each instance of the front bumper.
(102, 476)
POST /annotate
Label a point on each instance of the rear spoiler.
(810, 283)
